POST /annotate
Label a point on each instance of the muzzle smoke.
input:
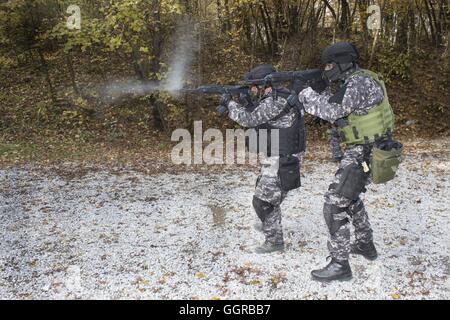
(179, 62)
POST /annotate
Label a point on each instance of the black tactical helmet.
(342, 56)
(259, 72)
(341, 52)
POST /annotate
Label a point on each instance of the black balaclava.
(343, 57)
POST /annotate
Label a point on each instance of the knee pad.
(262, 208)
(329, 212)
(352, 183)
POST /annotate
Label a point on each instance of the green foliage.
(134, 39)
(394, 65)
(25, 22)
(42, 112)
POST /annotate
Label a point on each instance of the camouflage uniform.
(335, 143)
(268, 187)
(360, 94)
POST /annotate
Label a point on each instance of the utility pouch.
(353, 181)
(289, 173)
(386, 158)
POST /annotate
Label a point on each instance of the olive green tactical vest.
(378, 122)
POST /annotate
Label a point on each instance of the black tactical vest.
(292, 140)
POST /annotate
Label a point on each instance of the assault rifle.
(242, 91)
(299, 80)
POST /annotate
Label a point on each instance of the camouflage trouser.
(334, 141)
(339, 210)
(268, 189)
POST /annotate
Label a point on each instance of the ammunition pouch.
(386, 158)
(289, 173)
(353, 181)
(262, 208)
(333, 224)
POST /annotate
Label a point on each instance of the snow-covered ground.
(125, 234)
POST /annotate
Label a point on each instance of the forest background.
(86, 92)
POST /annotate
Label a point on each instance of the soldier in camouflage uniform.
(279, 172)
(360, 97)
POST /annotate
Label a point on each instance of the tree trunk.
(69, 64)
(246, 24)
(446, 51)
(362, 8)
(227, 13)
(258, 30)
(157, 111)
(156, 40)
(333, 13)
(431, 23)
(437, 25)
(402, 33)
(44, 67)
(344, 21)
(266, 31)
(422, 20)
(271, 30)
(412, 33)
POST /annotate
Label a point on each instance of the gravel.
(123, 234)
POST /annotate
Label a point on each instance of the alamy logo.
(374, 20)
(236, 144)
(74, 20)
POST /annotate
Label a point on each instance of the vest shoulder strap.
(286, 110)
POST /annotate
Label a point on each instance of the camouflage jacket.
(357, 95)
(267, 111)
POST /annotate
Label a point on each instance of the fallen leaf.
(200, 275)
(255, 282)
(395, 296)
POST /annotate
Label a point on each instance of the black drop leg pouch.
(289, 173)
(353, 181)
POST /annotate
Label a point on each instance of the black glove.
(225, 100)
(292, 100)
(244, 99)
(298, 86)
(319, 85)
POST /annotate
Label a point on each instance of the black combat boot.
(267, 247)
(367, 250)
(335, 270)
